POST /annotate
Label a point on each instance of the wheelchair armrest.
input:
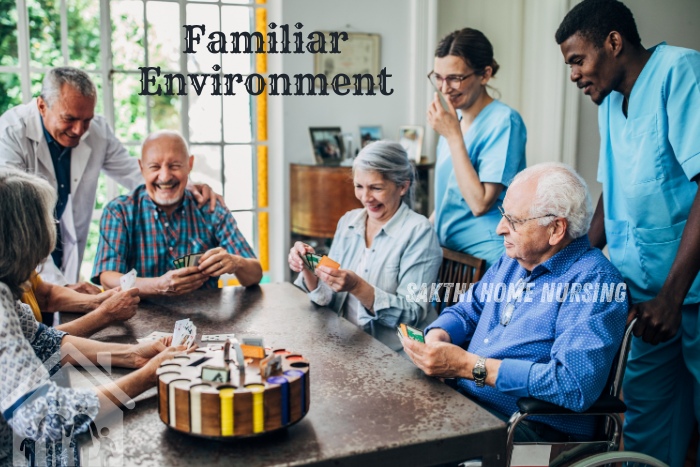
(605, 404)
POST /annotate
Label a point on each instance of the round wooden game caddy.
(206, 393)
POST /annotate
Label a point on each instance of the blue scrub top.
(647, 160)
(495, 143)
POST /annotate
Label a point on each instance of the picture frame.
(327, 145)
(369, 134)
(411, 138)
(358, 55)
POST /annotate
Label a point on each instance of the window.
(111, 40)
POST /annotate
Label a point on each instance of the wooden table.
(369, 406)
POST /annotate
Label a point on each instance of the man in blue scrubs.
(649, 212)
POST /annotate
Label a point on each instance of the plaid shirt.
(135, 233)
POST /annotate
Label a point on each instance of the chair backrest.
(458, 268)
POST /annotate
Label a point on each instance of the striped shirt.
(135, 233)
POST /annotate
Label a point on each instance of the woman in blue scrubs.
(481, 146)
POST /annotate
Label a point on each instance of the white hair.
(57, 77)
(562, 192)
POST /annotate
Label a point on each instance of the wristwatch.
(479, 372)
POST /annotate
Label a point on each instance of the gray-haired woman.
(386, 250)
(33, 407)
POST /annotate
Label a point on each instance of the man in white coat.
(58, 136)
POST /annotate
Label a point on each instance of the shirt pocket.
(643, 170)
(657, 250)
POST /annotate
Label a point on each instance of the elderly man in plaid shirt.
(160, 222)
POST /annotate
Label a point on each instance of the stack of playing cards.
(404, 330)
(128, 280)
(312, 261)
(185, 332)
(187, 261)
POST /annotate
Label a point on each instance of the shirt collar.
(562, 261)
(47, 135)
(144, 197)
(392, 228)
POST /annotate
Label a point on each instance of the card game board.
(219, 393)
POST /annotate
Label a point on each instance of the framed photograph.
(411, 138)
(359, 54)
(369, 134)
(327, 143)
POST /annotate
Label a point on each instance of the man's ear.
(191, 162)
(41, 105)
(614, 43)
(140, 165)
(558, 228)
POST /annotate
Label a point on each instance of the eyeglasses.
(453, 81)
(520, 287)
(512, 221)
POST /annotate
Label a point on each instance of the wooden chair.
(458, 268)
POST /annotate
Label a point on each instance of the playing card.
(154, 336)
(195, 259)
(252, 340)
(217, 337)
(181, 334)
(128, 280)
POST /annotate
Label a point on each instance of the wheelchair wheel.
(629, 459)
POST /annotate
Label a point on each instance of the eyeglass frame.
(512, 222)
(449, 78)
(507, 314)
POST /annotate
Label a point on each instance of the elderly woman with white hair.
(382, 249)
(32, 406)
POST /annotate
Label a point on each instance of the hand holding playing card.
(181, 281)
(296, 255)
(340, 280)
(145, 351)
(218, 261)
(121, 305)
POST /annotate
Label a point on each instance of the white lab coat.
(23, 145)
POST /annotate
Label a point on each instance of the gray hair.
(562, 192)
(57, 77)
(27, 230)
(390, 160)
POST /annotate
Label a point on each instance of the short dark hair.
(470, 45)
(595, 19)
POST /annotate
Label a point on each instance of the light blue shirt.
(405, 251)
(647, 160)
(495, 143)
(560, 341)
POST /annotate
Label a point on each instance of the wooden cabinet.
(319, 196)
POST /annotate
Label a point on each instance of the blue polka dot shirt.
(556, 338)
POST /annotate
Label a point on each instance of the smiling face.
(69, 116)
(592, 68)
(469, 90)
(165, 165)
(381, 197)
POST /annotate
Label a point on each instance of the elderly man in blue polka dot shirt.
(545, 321)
